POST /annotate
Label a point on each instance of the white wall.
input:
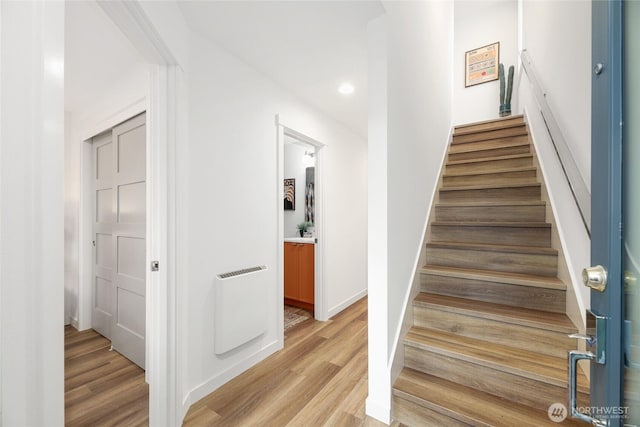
(31, 218)
(476, 24)
(410, 100)
(557, 35)
(295, 168)
(232, 201)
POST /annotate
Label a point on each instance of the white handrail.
(579, 189)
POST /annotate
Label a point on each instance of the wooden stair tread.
(494, 248)
(489, 172)
(490, 203)
(496, 276)
(466, 404)
(493, 224)
(556, 322)
(490, 159)
(490, 186)
(499, 123)
(535, 366)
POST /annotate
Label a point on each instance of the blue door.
(614, 227)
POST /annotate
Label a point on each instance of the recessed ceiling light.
(346, 88)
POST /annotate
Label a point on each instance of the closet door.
(129, 246)
(104, 221)
(119, 288)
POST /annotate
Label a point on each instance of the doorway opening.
(299, 231)
(301, 219)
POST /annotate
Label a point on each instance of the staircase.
(489, 344)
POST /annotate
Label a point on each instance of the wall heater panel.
(240, 307)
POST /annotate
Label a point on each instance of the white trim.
(346, 303)
(380, 412)
(280, 234)
(97, 126)
(132, 20)
(219, 380)
(320, 297)
(157, 342)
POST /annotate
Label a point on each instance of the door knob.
(597, 69)
(630, 281)
(595, 277)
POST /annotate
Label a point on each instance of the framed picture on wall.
(481, 64)
(290, 194)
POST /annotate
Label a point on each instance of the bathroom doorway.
(299, 231)
(301, 240)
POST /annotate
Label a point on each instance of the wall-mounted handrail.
(579, 189)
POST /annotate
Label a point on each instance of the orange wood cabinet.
(299, 274)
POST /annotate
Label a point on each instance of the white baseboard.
(377, 411)
(74, 322)
(219, 380)
(338, 308)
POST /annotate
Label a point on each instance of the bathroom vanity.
(299, 272)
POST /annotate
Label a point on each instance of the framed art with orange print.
(481, 64)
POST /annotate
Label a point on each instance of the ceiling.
(307, 47)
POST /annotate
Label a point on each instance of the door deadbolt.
(595, 278)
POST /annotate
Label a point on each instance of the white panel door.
(104, 221)
(129, 247)
(120, 248)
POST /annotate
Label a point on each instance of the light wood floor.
(318, 379)
(102, 388)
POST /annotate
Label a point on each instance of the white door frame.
(320, 293)
(165, 125)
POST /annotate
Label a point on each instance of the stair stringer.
(574, 310)
(396, 363)
(572, 306)
(569, 232)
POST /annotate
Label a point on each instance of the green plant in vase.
(302, 227)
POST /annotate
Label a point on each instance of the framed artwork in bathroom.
(481, 64)
(289, 194)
